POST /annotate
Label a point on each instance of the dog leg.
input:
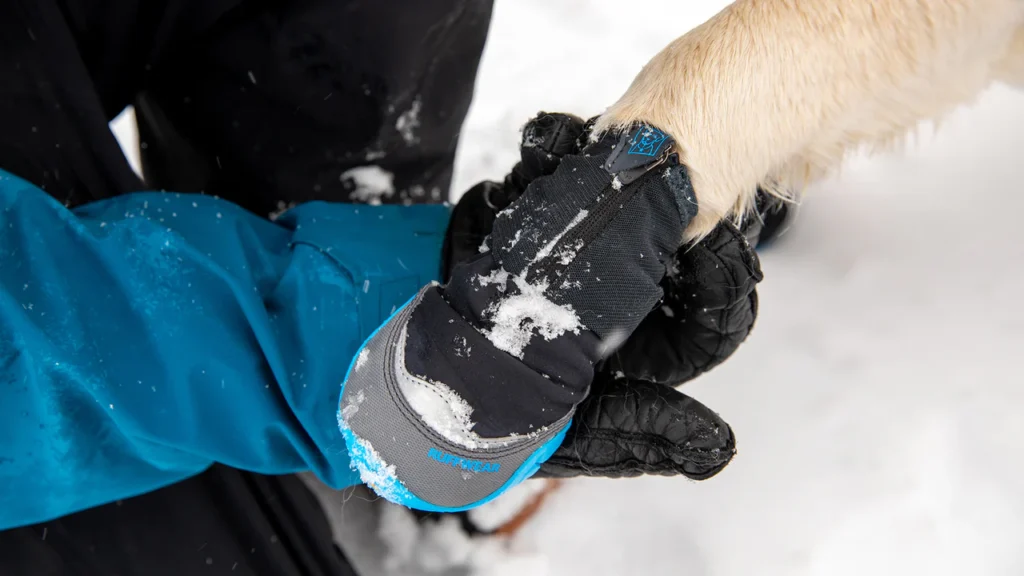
(774, 93)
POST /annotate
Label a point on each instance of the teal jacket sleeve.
(145, 337)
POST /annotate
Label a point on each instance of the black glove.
(633, 421)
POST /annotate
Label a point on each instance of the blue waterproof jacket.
(145, 337)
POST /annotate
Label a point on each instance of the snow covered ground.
(878, 404)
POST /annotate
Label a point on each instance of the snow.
(372, 183)
(498, 276)
(442, 409)
(409, 121)
(877, 403)
(545, 251)
(352, 406)
(373, 470)
(445, 411)
(361, 359)
(517, 317)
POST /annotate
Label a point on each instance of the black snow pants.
(261, 102)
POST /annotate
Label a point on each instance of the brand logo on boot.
(463, 463)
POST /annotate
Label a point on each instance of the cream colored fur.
(774, 93)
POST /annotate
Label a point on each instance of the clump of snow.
(372, 184)
(409, 121)
(516, 317)
(498, 277)
(364, 355)
(567, 285)
(546, 250)
(445, 411)
(442, 409)
(515, 239)
(373, 470)
(616, 183)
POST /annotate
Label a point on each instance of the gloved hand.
(471, 386)
(634, 421)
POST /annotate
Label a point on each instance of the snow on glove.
(633, 421)
(470, 387)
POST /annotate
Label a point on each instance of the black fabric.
(261, 102)
(617, 275)
(331, 80)
(53, 117)
(443, 347)
(221, 522)
(634, 427)
(280, 99)
(709, 309)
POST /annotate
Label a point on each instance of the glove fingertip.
(709, 462)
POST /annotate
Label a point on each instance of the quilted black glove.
(634, 422)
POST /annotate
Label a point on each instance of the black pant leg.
(53, 127)
(222, 522)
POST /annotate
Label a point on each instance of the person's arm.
(145, 337)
